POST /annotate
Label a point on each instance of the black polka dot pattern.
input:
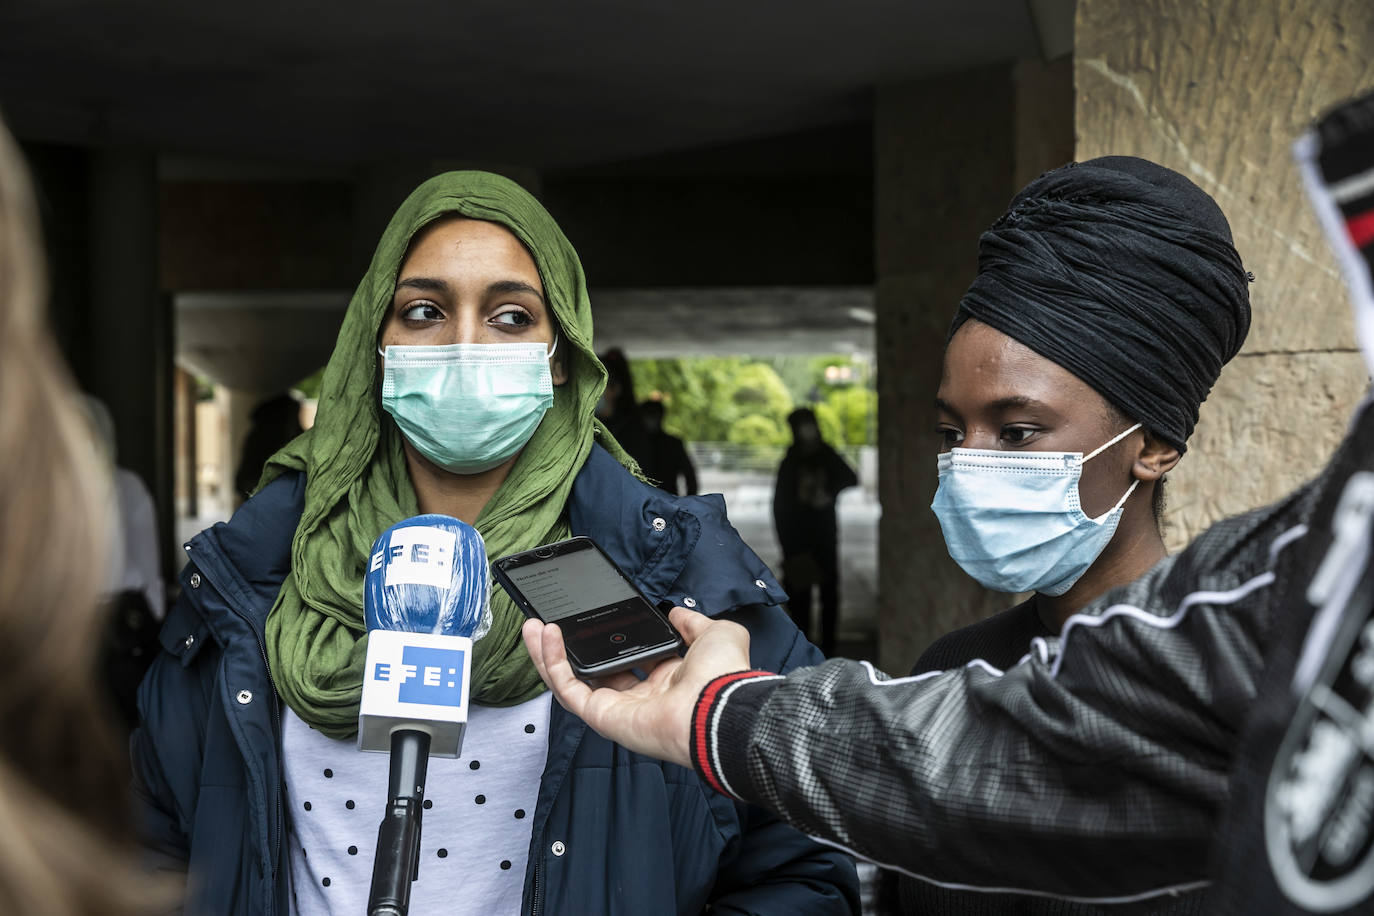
(340, 868)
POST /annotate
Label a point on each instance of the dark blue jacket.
(613, 832)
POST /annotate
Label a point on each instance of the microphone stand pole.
(397, 862)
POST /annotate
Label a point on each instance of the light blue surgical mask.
(1012, 520)
(468, 407)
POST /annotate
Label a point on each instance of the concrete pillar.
(123, 312)
(950, 152)
(1043, 117)
(1218, 89)
(945, 159)
(128, 358)
(61, 175)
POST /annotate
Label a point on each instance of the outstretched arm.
(1110, 745)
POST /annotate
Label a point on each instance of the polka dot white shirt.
(476, 829)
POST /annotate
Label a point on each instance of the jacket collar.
(246, 559)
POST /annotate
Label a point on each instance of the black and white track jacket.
(1096, 769)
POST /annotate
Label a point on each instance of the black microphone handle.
(397, 862)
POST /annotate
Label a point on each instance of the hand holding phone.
(651, 716)
(608, 625)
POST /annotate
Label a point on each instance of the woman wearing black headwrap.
(1108, 298)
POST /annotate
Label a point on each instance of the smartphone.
(608, 625)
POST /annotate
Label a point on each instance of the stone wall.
(945, 161)
(1218, 89)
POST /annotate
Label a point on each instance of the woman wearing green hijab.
(463, 382)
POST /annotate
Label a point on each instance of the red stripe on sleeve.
(701, 717)
(1361, 228)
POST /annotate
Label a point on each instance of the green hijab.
(357, 484)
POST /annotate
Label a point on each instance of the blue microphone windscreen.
(427, 574)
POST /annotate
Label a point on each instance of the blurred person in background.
(810, 479)
(134, 597)
(666, 461)
(618, 409)
(273, 423)
(65, 842)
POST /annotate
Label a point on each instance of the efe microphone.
(425, 594)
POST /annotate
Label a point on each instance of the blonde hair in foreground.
(64, 843)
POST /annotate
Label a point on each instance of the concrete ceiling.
(261, 341)
(266, 341)
(745, 321)
(309, 89)
(543, 84)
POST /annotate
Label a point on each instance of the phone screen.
(569, 584)
(603, 617)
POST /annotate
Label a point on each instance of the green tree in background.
(845, 416)
(831, 427)
(747, 400)
(706, 398)
(756, 429)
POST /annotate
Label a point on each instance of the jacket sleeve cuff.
(721, 722)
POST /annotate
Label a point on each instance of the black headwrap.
(1124, 273)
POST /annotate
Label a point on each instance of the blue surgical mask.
(468, 407)
(1012, 520)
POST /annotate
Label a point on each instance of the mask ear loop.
(1122, 501)
(1099, 450)
(1102, 448)
(554, 348)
